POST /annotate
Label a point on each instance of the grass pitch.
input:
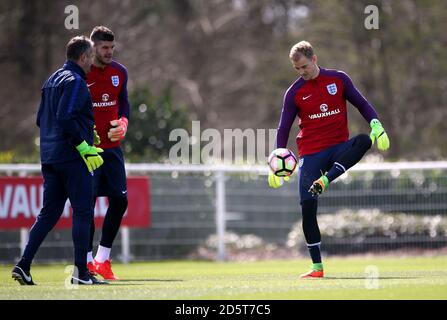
(346, 278)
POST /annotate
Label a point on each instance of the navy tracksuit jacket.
(65, 114)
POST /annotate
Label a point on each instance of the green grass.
(346, 278)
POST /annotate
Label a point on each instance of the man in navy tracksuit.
(68, 159)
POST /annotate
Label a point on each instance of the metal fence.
(373, 207)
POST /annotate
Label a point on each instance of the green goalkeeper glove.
(90, 156)
(275, 181)
(378, 132)
(96, 138)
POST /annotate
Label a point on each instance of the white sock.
(102, 254)
(89, 257)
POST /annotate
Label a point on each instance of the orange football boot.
(318, 186)
(313, 274)
(105, 270)
(91, 268)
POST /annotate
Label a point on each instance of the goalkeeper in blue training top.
(68, 158)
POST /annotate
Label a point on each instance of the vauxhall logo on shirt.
(105, 101)
(105, 97)
(324, 112)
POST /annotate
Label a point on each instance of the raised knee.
(364, 140)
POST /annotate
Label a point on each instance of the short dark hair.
(101, 33)
(77, 46)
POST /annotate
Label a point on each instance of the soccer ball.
(282, 162)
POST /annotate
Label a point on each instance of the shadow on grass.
(363, 278)
(147, 280)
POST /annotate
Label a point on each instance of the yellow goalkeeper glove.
(90, 156)
(275, 181)
(378, 133)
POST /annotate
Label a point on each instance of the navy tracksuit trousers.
(68, 180)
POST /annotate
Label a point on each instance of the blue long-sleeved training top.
(65, 115)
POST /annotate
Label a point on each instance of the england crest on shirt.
(115, 81)
(332, 89)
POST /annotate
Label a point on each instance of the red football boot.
(313, 274)
(105, 270)
(91, 268)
